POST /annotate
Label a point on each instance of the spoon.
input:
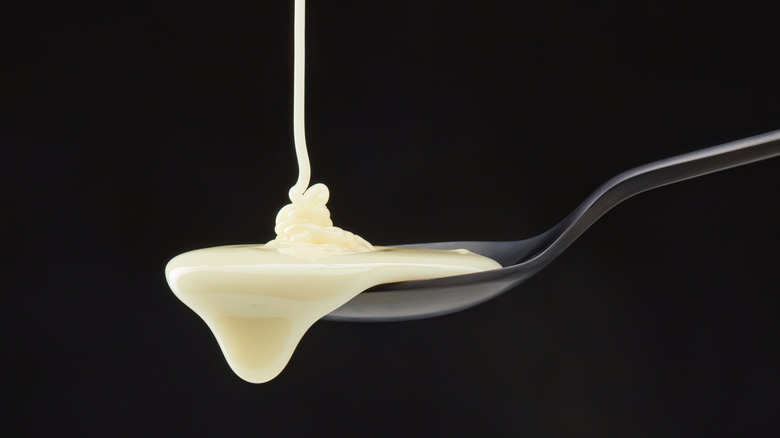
(522, 259)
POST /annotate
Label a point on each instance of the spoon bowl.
(522, 259)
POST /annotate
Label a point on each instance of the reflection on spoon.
(523, 258)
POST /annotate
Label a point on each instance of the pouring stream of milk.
(259, 300)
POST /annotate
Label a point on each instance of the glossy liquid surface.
(260, 301)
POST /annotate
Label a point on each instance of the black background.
(134, 132)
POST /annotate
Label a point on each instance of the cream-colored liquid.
(259, 300)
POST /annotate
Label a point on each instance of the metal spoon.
(523, 258)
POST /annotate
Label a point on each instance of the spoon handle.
(428, 298)
(650, 176)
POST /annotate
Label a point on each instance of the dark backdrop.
(131, 133)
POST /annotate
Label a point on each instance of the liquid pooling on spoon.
(259, 300)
